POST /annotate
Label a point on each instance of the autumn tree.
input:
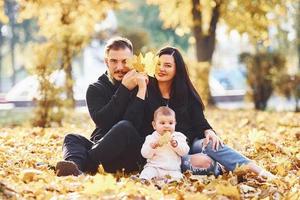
(49, 110)
(3, 17)
(201, 17)
(3, 20)
(140, 20)
(69, 25)
(65, 27)
(288, 84)
(262, 69)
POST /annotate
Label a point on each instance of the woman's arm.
(199, 122)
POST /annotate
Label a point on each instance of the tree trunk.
(67, 66)
(297, 96)
(1, 42)
(205, 43)
(12, 55)
(12, 22)
(297, 108)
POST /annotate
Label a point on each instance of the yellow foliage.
(3, 17)
(199, 72)
(27, 156)
(29, 175)
(146, 64)
(67, 26)
(256, 15)
(100, 184)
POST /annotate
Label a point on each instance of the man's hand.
(142, 81)
(216, 141)
(129, 80)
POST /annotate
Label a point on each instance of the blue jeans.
(226, 156)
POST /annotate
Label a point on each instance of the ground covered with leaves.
(271, 139)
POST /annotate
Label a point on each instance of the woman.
(172, 87)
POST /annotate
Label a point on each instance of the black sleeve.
(200, 124)
(135, 112)
(106, 112)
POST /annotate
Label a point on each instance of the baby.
(164, 148)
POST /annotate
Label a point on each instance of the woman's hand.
(211, 135)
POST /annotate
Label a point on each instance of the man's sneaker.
(67, 168)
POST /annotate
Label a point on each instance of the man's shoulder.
(100, 84)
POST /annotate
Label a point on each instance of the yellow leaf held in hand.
(150, 62)
(136, 63)
(164, 139)
(145, 64)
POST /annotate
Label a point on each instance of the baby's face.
(164, 123)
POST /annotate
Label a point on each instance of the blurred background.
(241, 54)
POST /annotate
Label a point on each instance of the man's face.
(116, 62)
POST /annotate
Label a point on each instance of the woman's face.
(166, 68)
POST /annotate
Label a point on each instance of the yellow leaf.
(228, 190)
(29, 175)
(281, 170)
(135, 63)
(100, 184)
(145, 64)
(150, 62)
(164, 139)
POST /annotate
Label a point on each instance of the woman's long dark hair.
(182, 85)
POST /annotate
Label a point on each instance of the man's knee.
(71, 137)
(124, 128)
(124, 124)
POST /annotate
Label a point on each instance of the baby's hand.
(174, 143)
(154, 145)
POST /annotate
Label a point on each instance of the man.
(115, 143)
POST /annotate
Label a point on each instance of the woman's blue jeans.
(225, 155)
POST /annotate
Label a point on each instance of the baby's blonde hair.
(164, 110)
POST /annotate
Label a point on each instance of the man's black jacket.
(107, 104)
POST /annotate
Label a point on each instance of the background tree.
(139, 14)
(262, 69)
(3, 17)
(297, 109)
(14, 38)
(11, 13)
(288, 84)
(201, 17)
(3, 20)
(69, 25)
(65, 28)
(49, 109)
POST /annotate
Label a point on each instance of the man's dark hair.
(117, 43)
